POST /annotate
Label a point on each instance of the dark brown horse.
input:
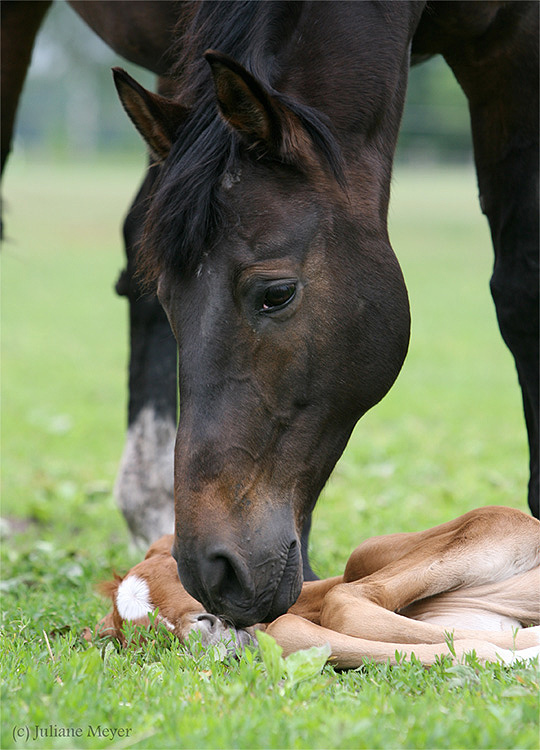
(263, 225)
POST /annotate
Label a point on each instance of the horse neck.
(351, 63)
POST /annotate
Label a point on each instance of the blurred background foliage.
(70, 105)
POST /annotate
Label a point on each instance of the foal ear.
(244, 103)
(156, 118)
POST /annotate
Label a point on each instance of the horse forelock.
(185, 211)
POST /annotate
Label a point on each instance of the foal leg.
(144, 487)
(379, 551)
(294, 633)
(484, 546)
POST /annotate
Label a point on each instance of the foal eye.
(278, 295)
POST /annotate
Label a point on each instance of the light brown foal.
(473, 582)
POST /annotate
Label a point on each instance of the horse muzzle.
(239, 584)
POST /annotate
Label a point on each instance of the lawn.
(449, 437)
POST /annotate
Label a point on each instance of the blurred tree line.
(69, 105)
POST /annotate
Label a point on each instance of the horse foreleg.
(144, 487)
(499, 74)
(509, 192)
(309, 574)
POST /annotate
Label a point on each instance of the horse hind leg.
(19, 26)
(20, 23)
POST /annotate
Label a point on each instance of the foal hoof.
(210, 630)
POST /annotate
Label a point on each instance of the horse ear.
(243, 102)
(156, 118)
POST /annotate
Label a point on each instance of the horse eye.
(278, 295)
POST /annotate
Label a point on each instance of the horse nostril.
(242, 587)
(224, 574)
(227, 579)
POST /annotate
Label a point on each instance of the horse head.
(291, 317)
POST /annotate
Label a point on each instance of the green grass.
(449, 437)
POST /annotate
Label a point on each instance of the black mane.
(185, 211)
